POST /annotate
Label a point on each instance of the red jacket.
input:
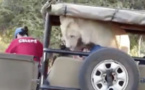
(26, 46)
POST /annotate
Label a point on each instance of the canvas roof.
(129, 17)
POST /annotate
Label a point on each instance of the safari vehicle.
(106, 69)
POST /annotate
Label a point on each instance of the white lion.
(92, 31)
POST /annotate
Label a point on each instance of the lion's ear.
(67, 19)
(61, 18)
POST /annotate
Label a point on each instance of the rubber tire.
(108, 53)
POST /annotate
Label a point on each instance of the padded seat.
(65, 72)
(142, 79)
(17, 72)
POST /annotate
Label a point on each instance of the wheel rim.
(109, 75)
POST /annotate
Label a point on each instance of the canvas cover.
(95, 13)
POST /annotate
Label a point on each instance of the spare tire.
(109, 69)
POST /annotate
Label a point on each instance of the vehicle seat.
(17, 72)
(64, 72)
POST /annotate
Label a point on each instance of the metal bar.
(65, 52)
(46, 41)
(140, 59)
(47, 32)
(57, 88)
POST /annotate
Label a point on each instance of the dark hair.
(24, 31)
(63, 47)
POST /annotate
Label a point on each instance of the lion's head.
(70, 33)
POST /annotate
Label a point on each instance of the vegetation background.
(17, 13)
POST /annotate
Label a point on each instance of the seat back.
(65, 72)
(142, 77)
(17, 72)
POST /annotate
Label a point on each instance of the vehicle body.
(106, 69)
(125, 19)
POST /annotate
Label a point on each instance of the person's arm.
(11, 48)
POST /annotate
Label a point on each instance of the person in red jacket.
(25, 45)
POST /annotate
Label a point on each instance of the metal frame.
(46, 44)
(47, 51)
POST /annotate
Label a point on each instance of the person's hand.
(78, 57)
(85, 50)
